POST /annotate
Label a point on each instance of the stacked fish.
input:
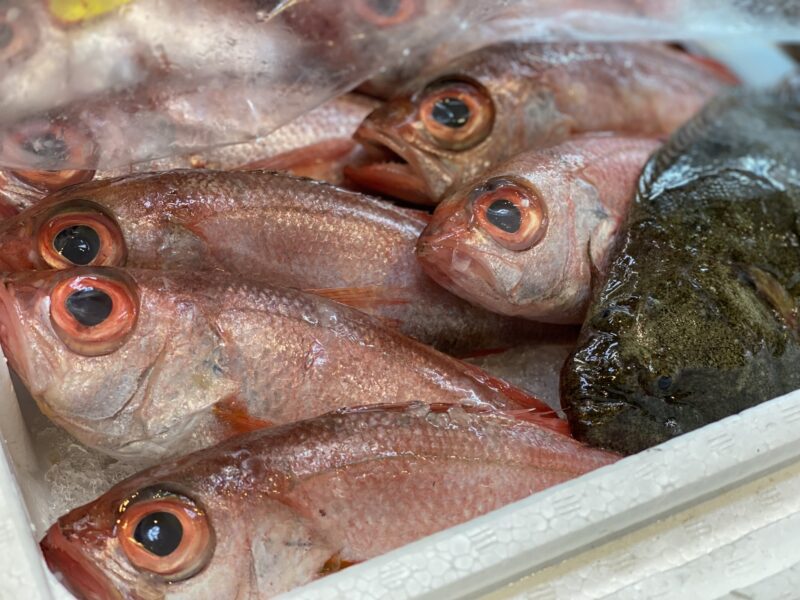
(300, 344)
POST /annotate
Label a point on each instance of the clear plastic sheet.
(88, 84)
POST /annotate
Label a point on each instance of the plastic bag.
(99, 84)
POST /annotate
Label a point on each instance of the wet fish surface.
(140, 364)
(284, 230)
(269, 511)
(504, 99)
(528, 238)
(698, 317)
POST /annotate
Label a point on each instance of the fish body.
(698, 317)
(283, 230)
(269, 511)
(316, 144)
(141, 363)
(501, 100)
(527, 238)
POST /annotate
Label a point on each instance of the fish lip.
(434, 251)
(74, 569)
(11, 338)
(412, 169)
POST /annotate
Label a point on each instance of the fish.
(317, 144)
(269, 511)
(697, 319)
(528, 238)
(284, 230)
(139, 364)
(511, 97)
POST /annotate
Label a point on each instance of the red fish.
(264, 513)
(502, 100)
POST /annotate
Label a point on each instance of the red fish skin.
(345, 486)
(541, 94)
(287, 231)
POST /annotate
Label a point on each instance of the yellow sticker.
(75, 11)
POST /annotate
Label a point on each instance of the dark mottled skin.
(698, 318)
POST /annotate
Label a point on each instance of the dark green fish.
(698, 319)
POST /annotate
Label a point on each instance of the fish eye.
(664, 383)
(18, 33)
(45, 145)
(165, 533)
(385, 13)
(93, 315)
(81, 234)
(458, 115)
(510, 213)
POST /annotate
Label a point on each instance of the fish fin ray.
(233, 414)
(364, 297)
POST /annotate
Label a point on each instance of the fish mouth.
(402, 176)
(456, 269)
(74, 569)
(11, 338)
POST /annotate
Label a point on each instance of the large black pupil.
(386, 8)
(79, 244)
(160, 533)
(504, 215)
(451, 112)
(89, 306)
(6, 35)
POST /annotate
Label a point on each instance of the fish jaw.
(421, 178)
(74, 569)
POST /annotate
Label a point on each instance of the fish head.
(60, 234)
(114, 358)
(477, 112)
(128, 221)
(205, 529)
(507, 244)
(438, 135)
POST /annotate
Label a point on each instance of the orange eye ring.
(44, 145)
(386, 13)
(18, 34)
(510, 213)
(458, 115)
(167, 534)
(93, 315)
(52, 181)
(106, 248)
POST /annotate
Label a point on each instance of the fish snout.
(10, 334)
(74, 569)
